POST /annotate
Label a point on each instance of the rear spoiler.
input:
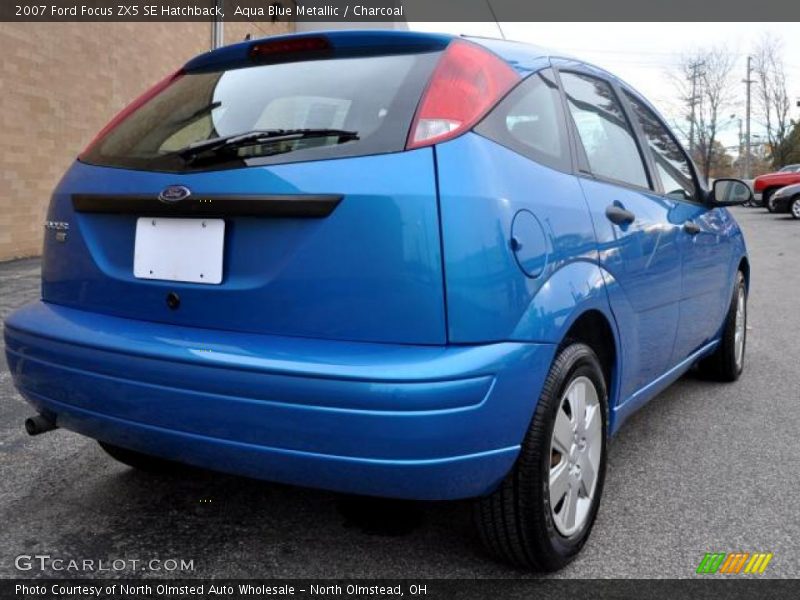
(312, 46)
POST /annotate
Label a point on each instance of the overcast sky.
(643, 53)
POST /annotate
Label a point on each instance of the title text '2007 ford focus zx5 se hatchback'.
(384, 263)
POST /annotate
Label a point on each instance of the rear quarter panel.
(489, 297)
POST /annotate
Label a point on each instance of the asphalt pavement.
(704, 467)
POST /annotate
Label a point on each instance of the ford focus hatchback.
(384, 263)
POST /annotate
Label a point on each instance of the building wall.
(60, 83)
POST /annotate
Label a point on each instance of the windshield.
(790, 169)
(373, 96)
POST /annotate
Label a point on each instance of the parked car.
(787, 200)
(768, 184)
(384, 263)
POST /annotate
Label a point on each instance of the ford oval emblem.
(174, 193)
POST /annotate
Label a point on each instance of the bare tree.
(705, 86)
(772, 99)
(715, 97)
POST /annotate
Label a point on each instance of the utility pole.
(693, 102)
(740, 150)
(748, 82)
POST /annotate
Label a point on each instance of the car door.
(638, 241)
(703, 239)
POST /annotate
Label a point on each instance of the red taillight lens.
(132, 107)
(466, 83)
(276, 47)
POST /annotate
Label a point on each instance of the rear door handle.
(619, 215)
(691, 228)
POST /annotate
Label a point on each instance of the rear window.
(374, 96)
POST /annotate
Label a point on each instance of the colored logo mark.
(734, 562)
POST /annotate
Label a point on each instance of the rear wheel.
(727, 361)
(541, 515)
(794, 208)
(142, 462)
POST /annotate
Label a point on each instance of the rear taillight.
(132, 107)
(466, 83)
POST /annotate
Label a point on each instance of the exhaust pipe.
(39, 424)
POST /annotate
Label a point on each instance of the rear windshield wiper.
(261, 136)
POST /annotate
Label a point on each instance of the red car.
(768, 184)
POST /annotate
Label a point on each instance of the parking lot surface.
(704, 467)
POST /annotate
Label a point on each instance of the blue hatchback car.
(384, 263)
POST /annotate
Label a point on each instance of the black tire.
(515, 522)
(143, 462)
(722, 364)
(794, 207)
(765, 200)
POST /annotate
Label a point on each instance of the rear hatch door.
(323, 227)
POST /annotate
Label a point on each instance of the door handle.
(691, 228)
(619, 215)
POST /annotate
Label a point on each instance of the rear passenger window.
(671, 163)
(605, 132)
(530, 121)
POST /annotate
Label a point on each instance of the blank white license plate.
(179, 249)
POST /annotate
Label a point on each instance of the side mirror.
(729, 192)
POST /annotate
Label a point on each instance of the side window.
(530, 121)
(605, 132)
(671, 163)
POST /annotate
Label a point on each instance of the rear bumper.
(424, 422)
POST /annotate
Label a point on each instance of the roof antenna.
(494, 16)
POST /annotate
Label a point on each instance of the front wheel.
(541, 515)
(727, 361)
(794, 209)
(768, 201)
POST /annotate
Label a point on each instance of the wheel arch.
(575, 307)
(744, 267)
(769, 190)
(595, 330)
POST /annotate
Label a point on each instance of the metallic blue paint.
(488, 297)
(644, 260)
(529, 243)
(396, 347)
(371, 271)
(430, 422)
